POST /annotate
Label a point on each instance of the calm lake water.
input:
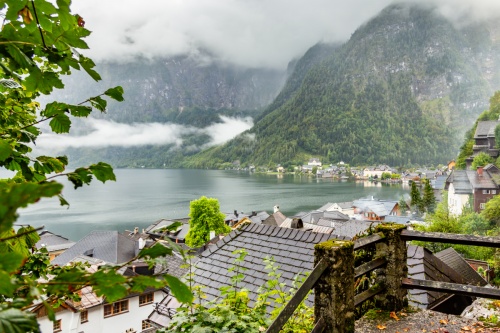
(140, 197)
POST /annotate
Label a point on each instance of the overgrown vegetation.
(469, 223)
(39, 42)
(232, 312)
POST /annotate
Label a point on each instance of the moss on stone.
(390, 226)
(334, 243)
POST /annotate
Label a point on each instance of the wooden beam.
(441, 237)
(320, 326)
(298, 297)
(368, 267)
(367, 241)
(451, 288)
(366, 295)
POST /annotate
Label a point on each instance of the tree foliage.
(491, 211)
(233, 311)
(481, 159)
(470, 223)
(39, 43)
(414, 195)
(428, 197)
(205, 216)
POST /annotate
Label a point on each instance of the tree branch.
(22, 234)
(38, 24)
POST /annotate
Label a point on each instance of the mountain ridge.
(382, 97)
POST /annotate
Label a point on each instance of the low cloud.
(104, 133)
(248, 33)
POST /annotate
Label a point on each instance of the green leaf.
(11, 262)
(88, 66)
(115, 93)
(179, 289)
(60, 124)
(18, 195)
(5, 150)
(99, 103)
(7, 288)
(79, 177)
(110, 284)
(17, 321)
(19, 56)
(79, 110)
(141, 282)
(102, 171)
(155, 251)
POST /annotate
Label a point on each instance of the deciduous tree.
(205, 216)
(481, 160)
(39, 42)
(491, 211)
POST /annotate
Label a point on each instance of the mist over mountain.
(403, 90)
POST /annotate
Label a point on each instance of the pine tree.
(415, 196)
(428, 198)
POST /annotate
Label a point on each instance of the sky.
(247, 33)
(255, 33)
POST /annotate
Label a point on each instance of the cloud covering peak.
(260, 33)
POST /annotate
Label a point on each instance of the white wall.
(456, 202)
(98, 324)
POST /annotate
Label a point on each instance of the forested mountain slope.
(403, 90)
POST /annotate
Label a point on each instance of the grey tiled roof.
(440, 182)
(109, 246)
(292, 250)
(451, 258)
(460, 182)
(478, 182)
(485, 128)
(424, 265)
(53, 242)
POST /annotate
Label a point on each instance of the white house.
(314, 162)
(94, 315)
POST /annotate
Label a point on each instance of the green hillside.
(402, 91)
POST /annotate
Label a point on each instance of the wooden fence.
(333, 277)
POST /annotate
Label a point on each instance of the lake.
(140, 197)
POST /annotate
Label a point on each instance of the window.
(146, 325)
(146, 299)
(482, 205)
(84, 316)
(486, 191)
(57, 325)
(493, 191)
(115, 308)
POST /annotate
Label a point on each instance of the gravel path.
(422, 321)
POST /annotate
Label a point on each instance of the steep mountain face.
(401, 91)
(169, 90)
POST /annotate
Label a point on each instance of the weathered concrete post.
(334, 291)
(394, 251)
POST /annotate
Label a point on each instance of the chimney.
(276, 208)
(235, 213)
(136, 230)
(480, 171)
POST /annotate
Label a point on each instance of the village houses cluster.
(289, 240)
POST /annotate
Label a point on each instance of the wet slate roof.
(485, 128)
(292, 250)
(460, 182)
(424, 265)
(53, 242)
(109, 246)
(453, 259)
